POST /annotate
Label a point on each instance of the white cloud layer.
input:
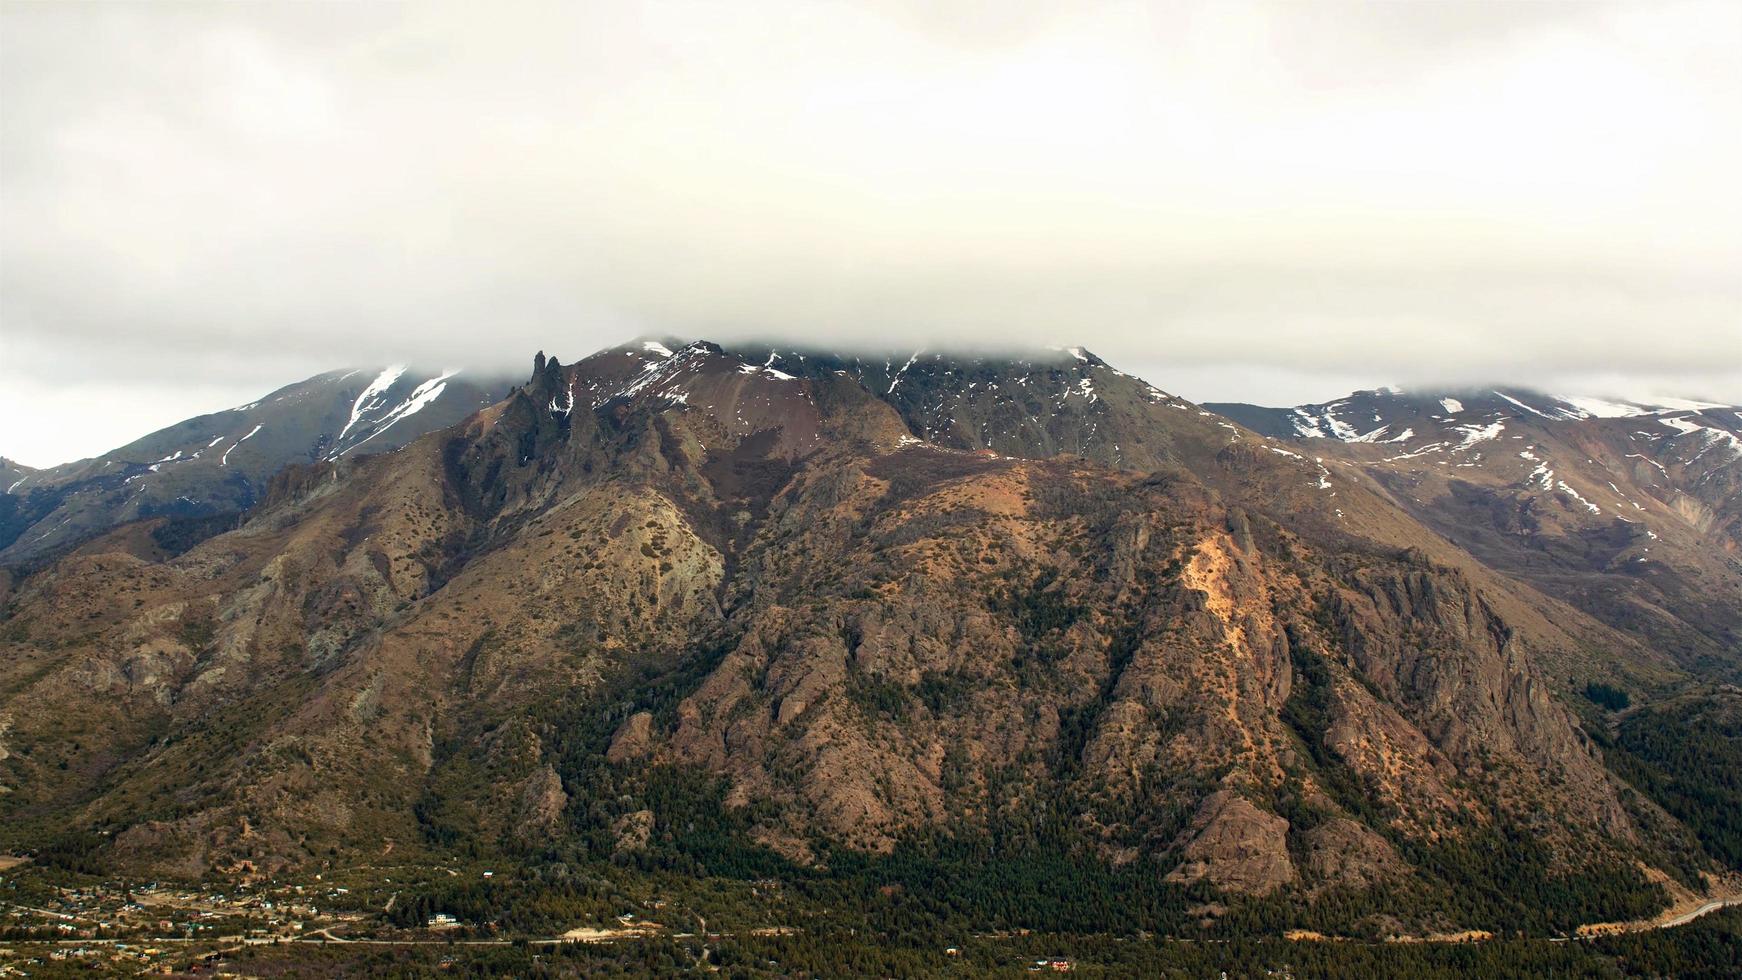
(1266, 199)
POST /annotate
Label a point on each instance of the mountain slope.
(872, 624)
(1630, 512)
(219, 463)
(12, 473)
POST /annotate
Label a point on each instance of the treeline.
(1708, 949)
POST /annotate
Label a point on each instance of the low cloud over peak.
(1267, 197)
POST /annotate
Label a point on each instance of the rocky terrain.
(1631, 512)
(883, 602)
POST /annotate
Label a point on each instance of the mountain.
(218, 464)
(1632, 512)
(985, 642)
(1393, 415)
(12, 473)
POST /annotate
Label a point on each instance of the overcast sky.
(1268, 202)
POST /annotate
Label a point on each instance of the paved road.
(1682, 920)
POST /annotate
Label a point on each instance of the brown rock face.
(1236, 847)
(538, 816)
(633, 831)
(634, 740)
(1430, 642)
(1345, 853)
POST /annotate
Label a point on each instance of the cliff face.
(1216, 665)
(1044, 630)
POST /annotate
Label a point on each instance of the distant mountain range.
(932, 630)
(219, 463)
(1394, 416)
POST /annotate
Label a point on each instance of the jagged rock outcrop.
(1236, 847)
(1344, 853)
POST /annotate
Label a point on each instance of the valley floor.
(281, 938)
(1708, 948)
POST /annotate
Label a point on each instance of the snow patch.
(1686, 405)
(1602, 408)
(225, 460)
(898, 374)
(370, 399)
(1432, 447)
(774, 373)
(1522, 405)
(568, 408)
(1714, 437)
(1648, 459)
(1569, 491)
(420, 398)
(1324, 424)
(1479, 433)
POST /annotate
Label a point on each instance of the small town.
(149, 925)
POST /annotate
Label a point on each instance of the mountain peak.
(221, 462)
